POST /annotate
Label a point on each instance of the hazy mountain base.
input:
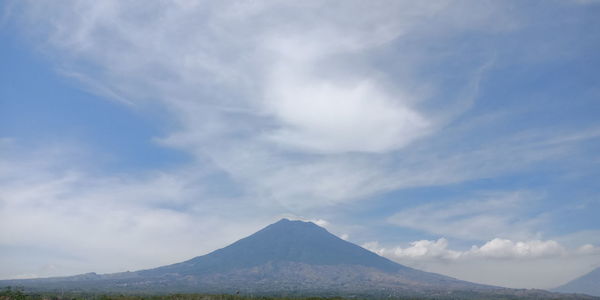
(52, 291)
(287, 279)
(18, 294)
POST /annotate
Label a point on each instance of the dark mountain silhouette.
(285, 258)
(586, 284)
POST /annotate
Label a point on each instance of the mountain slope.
(587, 284)
(285, 258)
(293, 241)
(300, 256)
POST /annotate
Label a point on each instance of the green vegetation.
(19, 294)
(13, 294)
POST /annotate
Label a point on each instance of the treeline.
(20, 294)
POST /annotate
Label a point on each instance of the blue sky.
(460, 137)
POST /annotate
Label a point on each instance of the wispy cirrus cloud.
(274, 105)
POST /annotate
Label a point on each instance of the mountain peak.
(286, 227)
(288, 222)
(283, 221)
(285, 241)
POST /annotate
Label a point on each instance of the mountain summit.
(284, 241)
(284, 258)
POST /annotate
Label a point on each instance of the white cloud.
(339, 114)
(503, 248)
(588, 249)
(426, 248)
(321, 222)
(496, 249)
(323, 117)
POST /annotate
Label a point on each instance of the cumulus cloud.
(502, 248)
(425, 248)
(588, 249)
(323, 117)
(496, 248)
(333, 113)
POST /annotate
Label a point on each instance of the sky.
(458, 137)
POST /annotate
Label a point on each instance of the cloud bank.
(495, 249)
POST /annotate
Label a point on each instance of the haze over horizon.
(457, 137)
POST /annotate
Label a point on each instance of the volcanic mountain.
(284, 258)
(588, 284)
